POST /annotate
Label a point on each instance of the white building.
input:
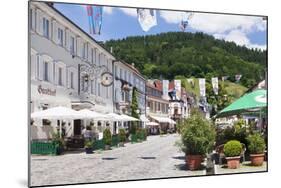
(61, 57)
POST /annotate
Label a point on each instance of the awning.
(128, 118)
(163, 119)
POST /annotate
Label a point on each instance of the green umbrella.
(254, 102)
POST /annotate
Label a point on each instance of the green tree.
(134, 109)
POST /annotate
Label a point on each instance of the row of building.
(69, 68)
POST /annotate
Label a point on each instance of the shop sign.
(46, 91)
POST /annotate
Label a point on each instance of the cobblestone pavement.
(157, 157)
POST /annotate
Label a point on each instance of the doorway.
(77, 127)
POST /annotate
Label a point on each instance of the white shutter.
(68, 79)
(39, 22)
(67, 39)
(55, 32)
(40, 68)
(51, 72)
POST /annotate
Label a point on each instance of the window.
(99, 59)
(46, 71)
(92, 55)
(72, 45)
(46, 27)
(121, 73)
(60, 76)
(31, 21)
(125, 77)
(60, 36)
(129, 79)
(71, 80)
(116, 70)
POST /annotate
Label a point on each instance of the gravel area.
(157, 157)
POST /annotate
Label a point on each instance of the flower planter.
(194, 161)
(233, 162)
(89, 150)
(257, 159)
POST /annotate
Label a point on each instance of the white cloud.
(240, 38)
(129, 11)
(172, 17)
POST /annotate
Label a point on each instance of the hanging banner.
(202, 87)
(215, 84)
(184, 21)
(178, 89)
(238, 77)
(165, 87)
(94, 18)
(147, 18)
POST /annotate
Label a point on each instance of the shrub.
(107, 137)
(122, 135)
(197, 135)
(256, 143)
(89, 144)
(56, 140)
(232, 148)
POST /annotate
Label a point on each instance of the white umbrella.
(128, 118)
(58, 113)
(92, 114)
(143, 118)
(114, 117)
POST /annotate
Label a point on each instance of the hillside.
(172, 54)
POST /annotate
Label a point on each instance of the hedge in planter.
(256, 146)
(197, 136)
(122, 137)
(107, 138)
(232, 150)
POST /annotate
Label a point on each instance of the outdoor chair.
(219, 151)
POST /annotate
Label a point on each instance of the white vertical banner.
(165, 85)
(147, 18)
(202, 87)
(215, 84)
(178, 88)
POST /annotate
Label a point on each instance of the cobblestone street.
(158, 157)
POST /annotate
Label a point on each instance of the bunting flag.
(215, 84)
(184, 22)
(95, 18)
(165, 85)
(147, 18)
(202, 87)
(238, 77)
(178, 89)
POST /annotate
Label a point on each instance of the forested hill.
(171, 54)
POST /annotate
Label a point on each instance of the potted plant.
(232, 151)
(197, 137)
(89, 147)
(107, 138)
(58, 143)
(122, 137)
(256, 146)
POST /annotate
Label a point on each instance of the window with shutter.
(46, 71)
(72, 45)
(60, 36)
(71, 80)
(46, 27)
(60, 76)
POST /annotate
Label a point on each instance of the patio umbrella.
(92, 114)
(255, 101)
(58, 113)
(114, 117)
(152, 124)
(128, 118)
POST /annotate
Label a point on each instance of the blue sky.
(122, 22)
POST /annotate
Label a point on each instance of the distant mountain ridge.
(172, 54)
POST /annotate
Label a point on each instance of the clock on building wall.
(106, 79)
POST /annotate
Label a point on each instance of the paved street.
(157, 157)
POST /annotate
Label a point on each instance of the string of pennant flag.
(147, 19)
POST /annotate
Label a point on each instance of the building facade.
(65, 67)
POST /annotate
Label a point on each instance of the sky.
(118, 23)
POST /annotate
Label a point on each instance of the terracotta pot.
(233, 162)
(194, 161)
(257, 159)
